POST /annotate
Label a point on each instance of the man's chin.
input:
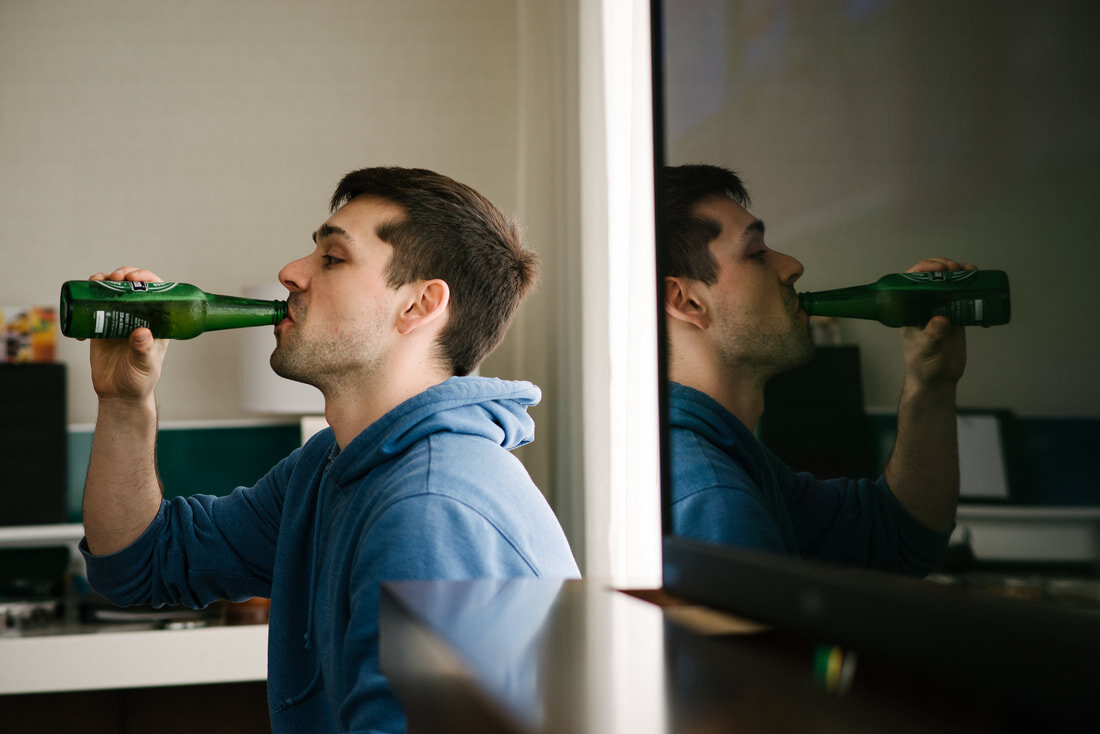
(284, 368)
(797, 358)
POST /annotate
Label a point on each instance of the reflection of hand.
(127, 369)
(936, 354)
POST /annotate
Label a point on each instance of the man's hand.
(935, 356)
(127, 369)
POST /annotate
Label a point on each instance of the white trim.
(622, 523)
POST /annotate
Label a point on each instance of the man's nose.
(790, 269)
(294, 276)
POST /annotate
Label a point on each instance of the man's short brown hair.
(453, 233)
(686, 235)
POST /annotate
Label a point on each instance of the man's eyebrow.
(757, 227)
(327, 230)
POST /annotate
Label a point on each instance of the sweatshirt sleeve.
(730, 514)
(860, 522)
(198, 549)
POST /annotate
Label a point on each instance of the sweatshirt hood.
(486, 407)
(704, 417)
(701, 414)
(696, 412)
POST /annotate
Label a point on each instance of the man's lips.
(795, 305)
(291, 309)
(284, 323)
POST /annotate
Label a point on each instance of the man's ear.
(428, 301)
(683, 302)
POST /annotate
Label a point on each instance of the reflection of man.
(413, 280)
(733, 323)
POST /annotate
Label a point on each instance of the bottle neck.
(856, 302)
(231, 312)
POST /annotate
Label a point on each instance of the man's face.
(757, 322)
(341, 313)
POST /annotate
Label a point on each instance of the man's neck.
(351, 407)
(738, 391)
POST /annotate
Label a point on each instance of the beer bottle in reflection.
(965, 297)
(104, 309)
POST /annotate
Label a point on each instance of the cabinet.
(69, 676)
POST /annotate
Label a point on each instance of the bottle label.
(940, 276)
(964, 312)
(117, 324)
(135, 286)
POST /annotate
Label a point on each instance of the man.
(734, 322)
(413, 280)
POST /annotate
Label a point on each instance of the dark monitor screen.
(33, 444)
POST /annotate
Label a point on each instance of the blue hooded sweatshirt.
(429, 491)
(728, 488)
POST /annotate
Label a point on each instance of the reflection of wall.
(873, 134)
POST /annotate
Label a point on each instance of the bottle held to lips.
(965, 297)
(106, 309)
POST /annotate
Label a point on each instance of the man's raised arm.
(122, 493)
(923, 471)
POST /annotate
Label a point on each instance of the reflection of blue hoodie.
(428, 491)
(728, 488)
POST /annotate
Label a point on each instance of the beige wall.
(544, 343)
(202, 140)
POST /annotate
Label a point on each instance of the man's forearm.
(122, 493)
(923, 471)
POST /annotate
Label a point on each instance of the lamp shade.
(263, 391)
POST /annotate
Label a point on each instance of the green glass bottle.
(965, 297)
(106, 309)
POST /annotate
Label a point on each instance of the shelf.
(1030, 534)
(133, 659)
(1023, 512)
(12, 536)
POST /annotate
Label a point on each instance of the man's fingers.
(937, 327)
(934, 264)
(128, 272)
(141, 340)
